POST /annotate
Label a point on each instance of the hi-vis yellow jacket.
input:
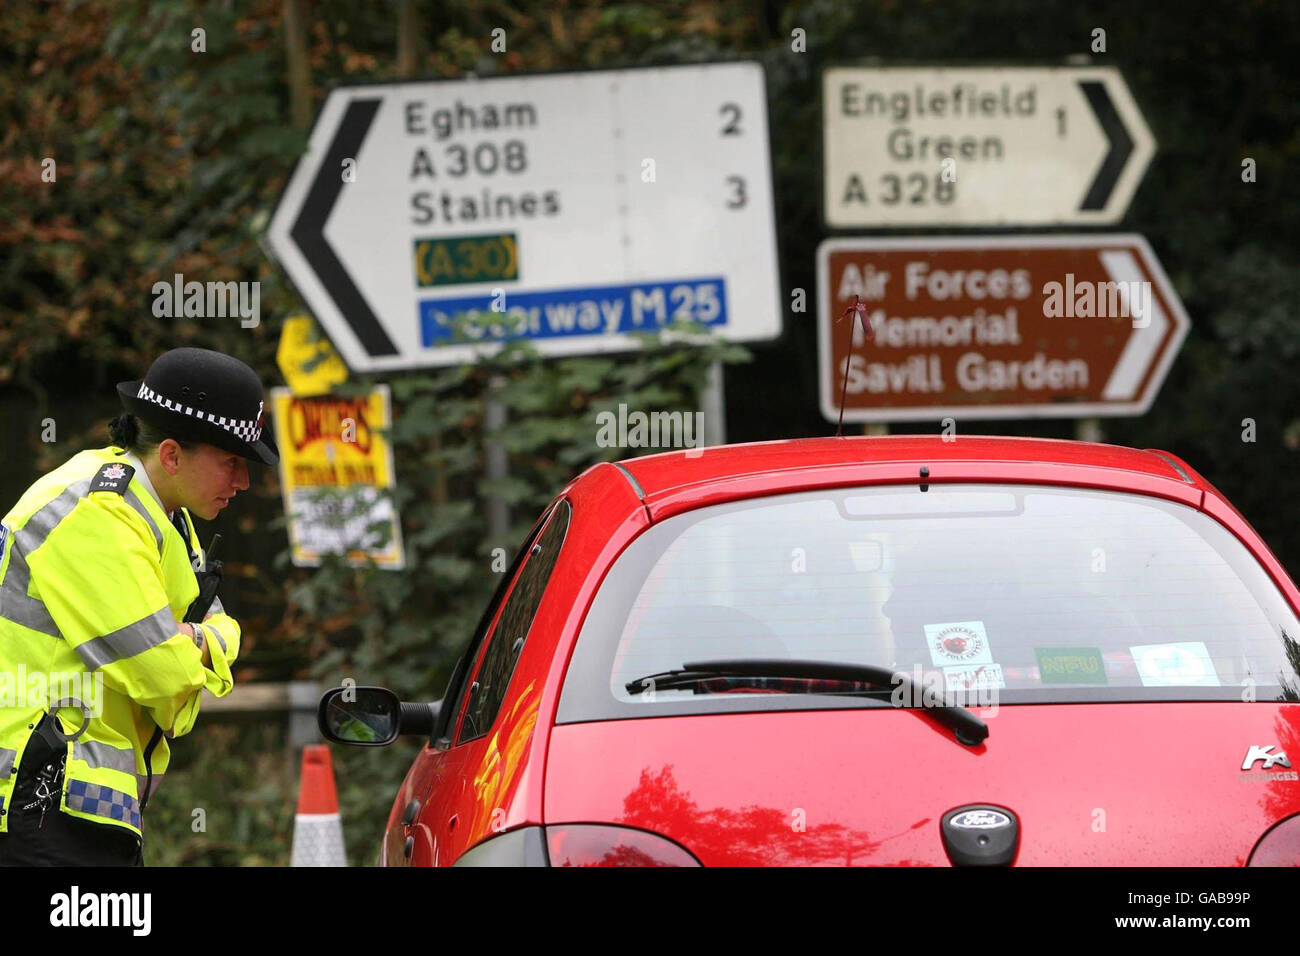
(93, 584)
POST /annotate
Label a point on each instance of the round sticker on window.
(960, 642)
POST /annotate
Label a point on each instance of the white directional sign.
(980, 146)
(567, 209)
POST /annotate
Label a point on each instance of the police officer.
(106, 640)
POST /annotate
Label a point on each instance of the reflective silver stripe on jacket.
(128, 641)
(210, 632)
(15, 603)
(146, 793)
(99, 754)
(7, 758)
(134, 501)
(39, 525)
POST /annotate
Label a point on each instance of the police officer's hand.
(200, 641)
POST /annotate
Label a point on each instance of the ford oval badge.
(981, 820)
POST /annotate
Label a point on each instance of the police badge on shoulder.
(115, 476)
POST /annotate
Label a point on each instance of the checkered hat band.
(242, 428)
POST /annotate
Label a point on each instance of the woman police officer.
(99, 567)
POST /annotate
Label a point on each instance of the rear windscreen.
(1045, 593)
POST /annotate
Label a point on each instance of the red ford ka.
(903, 650)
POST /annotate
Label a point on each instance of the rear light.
(583, 844)
(1280, 846)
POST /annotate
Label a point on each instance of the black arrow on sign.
(309, 229)
(1121, 144)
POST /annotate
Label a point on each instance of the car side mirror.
(371, 716)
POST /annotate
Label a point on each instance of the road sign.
(980, 146)
(335, 465)
(307, 361)
(571, 209)
(994, 327)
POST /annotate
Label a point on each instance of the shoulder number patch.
(114, 476)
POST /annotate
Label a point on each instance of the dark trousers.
(61, 839)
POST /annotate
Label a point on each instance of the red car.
(906, 650)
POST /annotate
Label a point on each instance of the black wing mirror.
(371, 716)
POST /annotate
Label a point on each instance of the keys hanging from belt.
(49, 780)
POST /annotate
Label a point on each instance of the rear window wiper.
(969, 729)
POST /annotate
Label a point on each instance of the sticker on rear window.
(961, 642)
(1070, 665)
(1182, 664)
(967, 677)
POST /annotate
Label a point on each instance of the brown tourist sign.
(993, 327)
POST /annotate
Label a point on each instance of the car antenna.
(858, 311)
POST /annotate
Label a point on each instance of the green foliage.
(236, 775)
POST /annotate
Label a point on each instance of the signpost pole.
(1089, 429)
(494, 461)
(713, 405)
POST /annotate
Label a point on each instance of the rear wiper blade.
(969, 729)
(701, 678)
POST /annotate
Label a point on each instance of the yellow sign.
(334, 468)
(306, 358)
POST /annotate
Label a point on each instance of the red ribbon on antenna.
(858, 311)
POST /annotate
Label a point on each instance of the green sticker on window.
(1070, 665)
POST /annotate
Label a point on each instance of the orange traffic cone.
(317, 827)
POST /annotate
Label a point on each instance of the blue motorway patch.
(555, 313)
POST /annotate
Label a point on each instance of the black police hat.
(205, 396)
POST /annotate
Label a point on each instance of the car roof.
(974, 456)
